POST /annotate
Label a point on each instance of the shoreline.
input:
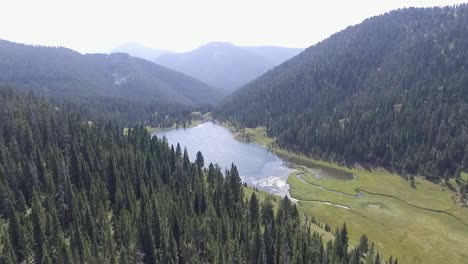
(394, 203)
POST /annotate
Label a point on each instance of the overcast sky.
(100, 25)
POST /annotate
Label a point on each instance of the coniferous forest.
(391, 91)
(79, 192)
(82, 180)
(126, 89)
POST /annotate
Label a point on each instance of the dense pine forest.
(391, 91)
(130, 113)
(79, 192)
(117, 86)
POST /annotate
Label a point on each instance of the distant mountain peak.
(140, 51)
(218, 44)
(225, 65)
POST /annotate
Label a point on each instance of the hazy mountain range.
(227, 66)
(139, 51)
(62, 72)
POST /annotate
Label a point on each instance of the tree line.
(78, 192)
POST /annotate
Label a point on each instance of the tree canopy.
(391, 91)
(75, 192)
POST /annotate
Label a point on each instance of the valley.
(416, 224)
(207, 137)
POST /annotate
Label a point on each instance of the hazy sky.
(100, 25)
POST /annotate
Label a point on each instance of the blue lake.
(256, 164)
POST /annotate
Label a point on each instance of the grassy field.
(399, 218)
(257, 135)
(262, 196)
(418, 225)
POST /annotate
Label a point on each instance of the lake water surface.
(256, 164)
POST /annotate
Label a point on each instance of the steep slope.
(64, 73)
(224, 65)
(390, 91)
(139, 51)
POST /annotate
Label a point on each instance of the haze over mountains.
(227, 66)
(139, 51)
(62, 71)
(132, 87)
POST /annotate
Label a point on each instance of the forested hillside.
(226, 66)
(74, 192)
(391, 91)
(115, 85)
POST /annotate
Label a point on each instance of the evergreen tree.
(363, 245)
(254, 210)
(37, 216)
(105, 197)
(200, 161)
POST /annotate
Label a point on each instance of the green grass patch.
(464, 176)
(262, 196)
(418, 225)
(255, 135)
(394, 216)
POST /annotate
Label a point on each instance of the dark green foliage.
(363, 245)
(116, 86)
(254, 211)
(200, 161)
(90, 194)
(391, 91)
(377, 259)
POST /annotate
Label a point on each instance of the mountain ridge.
(226, 66)
(64, 72)
(383, 92)
(139, 51)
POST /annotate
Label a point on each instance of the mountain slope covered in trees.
(391, 91)
(226, 66)
(71, 192)
(118, 84)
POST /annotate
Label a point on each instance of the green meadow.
(424, 224)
